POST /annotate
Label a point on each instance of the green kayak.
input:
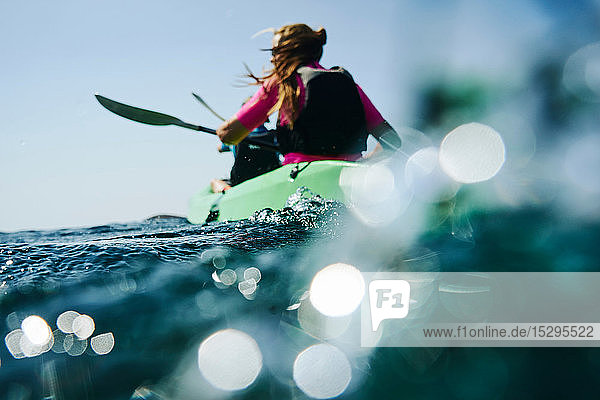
(270, 190)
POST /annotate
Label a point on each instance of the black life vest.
(332, 120)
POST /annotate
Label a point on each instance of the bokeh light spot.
(228, 277)
(581, 75)
(30, 349)
(252, 273)
(83, 326)
(472, 153)
(68, 341)
(377, 195)
(381, 183)
(425, 177)
(64, 322)
(592, 74)
(59, 341)
(229, 359)
(215, 277)
(247, 287)
(412, 140)
(318, 325)
(13, 343)
(76, 347)
(103, 344)
(12, 321)
(582, 163)
(219, 262)
(36, 330)
(337, 290)
(216, 256)
(322, 371)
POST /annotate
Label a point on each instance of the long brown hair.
(298, 45)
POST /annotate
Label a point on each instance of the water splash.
(303, 208)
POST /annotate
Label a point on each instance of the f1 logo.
(389, 299)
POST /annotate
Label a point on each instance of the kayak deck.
(270, 190)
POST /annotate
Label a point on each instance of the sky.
(67, 162)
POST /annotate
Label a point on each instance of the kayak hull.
(270, 190)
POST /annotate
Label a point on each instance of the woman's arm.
(387, 137)
(252, 114)
(378, 127)
(232, 131)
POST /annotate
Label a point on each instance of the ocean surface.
(141, 310)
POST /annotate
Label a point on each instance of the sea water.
(146, 310)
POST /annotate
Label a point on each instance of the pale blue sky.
(67, 162)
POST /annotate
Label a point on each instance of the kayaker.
(323, 114)
(249, 160)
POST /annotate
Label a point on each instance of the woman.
(323, 114)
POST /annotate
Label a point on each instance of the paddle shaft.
(196, 128)
(155, 118)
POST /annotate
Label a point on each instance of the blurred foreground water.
(162, 309)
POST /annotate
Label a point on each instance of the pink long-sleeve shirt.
(256, 111)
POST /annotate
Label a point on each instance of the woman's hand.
(231, 132)
(376, 151)
(219, 186)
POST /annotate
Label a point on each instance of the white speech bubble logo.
(389, 299)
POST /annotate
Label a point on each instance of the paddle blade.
(137, 114)
(207, 106)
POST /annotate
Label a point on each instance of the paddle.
(147, 116)
(156, 118)
(207, 106)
